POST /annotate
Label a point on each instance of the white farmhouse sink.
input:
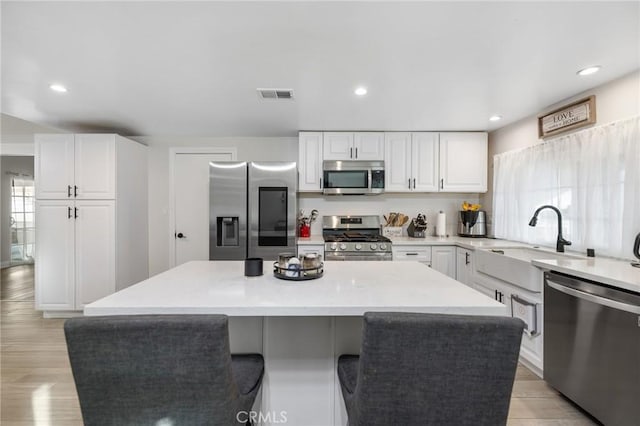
(513, 265)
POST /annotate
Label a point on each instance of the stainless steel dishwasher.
(592, 347)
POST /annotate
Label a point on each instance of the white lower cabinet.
(443, 259)
(513, 297)
(412, 253)
(54, 272)
(79, 241)
(464, 266)
(311, 248)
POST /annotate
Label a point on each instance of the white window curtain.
(592, 176)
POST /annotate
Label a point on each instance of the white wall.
(249, 149)
(408, 204)
(9, 164)
(617, 100)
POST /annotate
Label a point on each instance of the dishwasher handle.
(594, 299)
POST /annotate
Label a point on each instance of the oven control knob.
(358, 246)
(383, 246)
(334, 246)
(374, 246)
(343, 246)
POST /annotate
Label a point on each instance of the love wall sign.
(578, 114)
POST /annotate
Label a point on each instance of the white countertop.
(464, 242)
(312, 240)
(614, 272)
(346, 289)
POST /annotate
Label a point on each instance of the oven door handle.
(594, 299)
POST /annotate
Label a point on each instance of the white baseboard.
(5, 264)
(62, 314)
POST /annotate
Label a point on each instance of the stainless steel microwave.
(353, 177)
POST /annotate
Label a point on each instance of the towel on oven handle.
(527, 312)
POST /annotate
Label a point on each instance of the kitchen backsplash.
(409, 204)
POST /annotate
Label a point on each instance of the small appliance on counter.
(418, 227)
(472, 223)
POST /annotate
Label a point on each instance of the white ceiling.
(175, 68)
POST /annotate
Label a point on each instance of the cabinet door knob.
(180, 235)
(409, 183)
(75, 190)
(356, 152)
(466, 258)
(442, 183)
(75, 213)
(68, 190)
(350, 152)
(414, 183)
(69, 213)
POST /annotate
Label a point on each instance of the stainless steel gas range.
(354, 238)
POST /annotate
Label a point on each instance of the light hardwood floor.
(36, 386)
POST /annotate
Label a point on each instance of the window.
(592, 176)
(22, 220)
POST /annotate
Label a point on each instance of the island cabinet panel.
(310, 161)
(299, 365)
(443, 259)
(91, 217)
(463, 162)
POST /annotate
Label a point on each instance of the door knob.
(181, 235)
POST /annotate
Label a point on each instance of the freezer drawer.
(592, 347)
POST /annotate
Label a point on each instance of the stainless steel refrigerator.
(252, 209)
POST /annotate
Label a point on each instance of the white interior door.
(191, 204)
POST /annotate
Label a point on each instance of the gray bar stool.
(160, 370)
(429, 369)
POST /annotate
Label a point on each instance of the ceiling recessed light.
(495, 118)
(58, 88)
(361, 91)
(589, 70)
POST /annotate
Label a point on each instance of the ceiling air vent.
(276, 93)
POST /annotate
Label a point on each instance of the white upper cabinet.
(411, 162)
(95, 167)
(75, 166)
(310, 161)
(397, 161)
(463, 162)
(367, 146)
(54, 158)
(424, 161)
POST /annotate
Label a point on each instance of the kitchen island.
(300, 327)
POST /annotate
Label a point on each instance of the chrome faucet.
(560, 242)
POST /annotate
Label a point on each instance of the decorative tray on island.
(297, 273)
